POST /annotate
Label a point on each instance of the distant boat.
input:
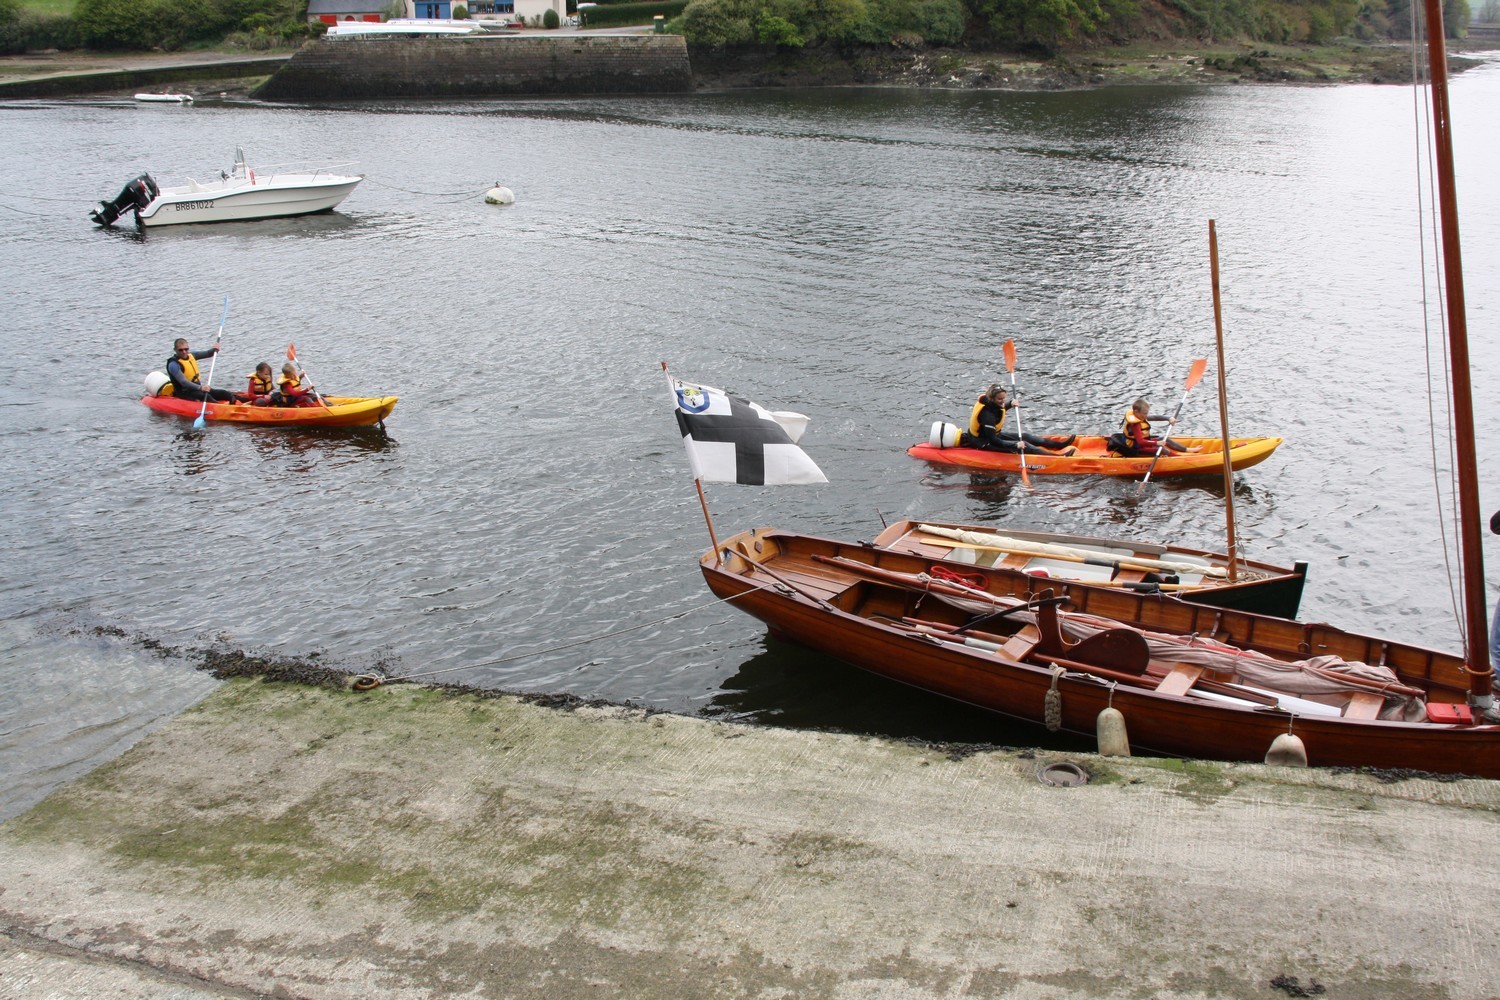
(237, 195)
(1091, 456)
(340, 411)
(405, 26)
(165, 98)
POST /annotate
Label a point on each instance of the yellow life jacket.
(189, 371)
(1131, 418)
(979, 406)
(260, 385)
(288, 383)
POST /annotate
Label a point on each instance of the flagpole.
(702, 500)
(718, 561)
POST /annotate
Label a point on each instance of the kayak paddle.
(1010, 366)
(1194, 374)
(198, 423)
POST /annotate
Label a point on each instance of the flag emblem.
(733, 440)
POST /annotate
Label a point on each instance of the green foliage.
(550, 18)
(613, 15)
(773, 29)
(720, 23)
(460, 12)
(171, 24)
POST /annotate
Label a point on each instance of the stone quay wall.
(342, 69)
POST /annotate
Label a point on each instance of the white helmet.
(155, 382)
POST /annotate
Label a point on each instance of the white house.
(529, 11)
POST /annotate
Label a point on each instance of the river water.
(858, 255)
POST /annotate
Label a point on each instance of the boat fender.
(366, 682)
(156, 382)
(499, 195)
(1287, 751)
(1113, 740)
(1052, 702)
(943, 435)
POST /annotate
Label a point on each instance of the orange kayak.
(1093, 458)
(341, 411)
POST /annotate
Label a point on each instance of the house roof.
(345, 6)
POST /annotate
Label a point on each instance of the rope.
(369, 681)
(1052, 704)
(466, 193)
(1427, 209)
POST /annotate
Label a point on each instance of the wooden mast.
(1471, 565)
(1213, 266)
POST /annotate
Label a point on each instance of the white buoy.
(943, 435)
(155, 382)
(1113, 740)
(499, 195)
(1287, 751)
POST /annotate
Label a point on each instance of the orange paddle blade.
(291, 353)
(1010, 356)
(1196, 372)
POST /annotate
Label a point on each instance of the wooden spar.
(1471, 559)
(1213, 267)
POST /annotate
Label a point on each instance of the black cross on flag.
(732, 440)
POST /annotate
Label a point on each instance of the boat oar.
(224, 318)
(1010, 366)
(291, 355)
(1194, 374)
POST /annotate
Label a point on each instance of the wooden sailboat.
(1190, 680)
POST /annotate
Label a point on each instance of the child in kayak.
(262, 384)
(291, 392)
(1134, 437)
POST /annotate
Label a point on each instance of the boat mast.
(1213, 268)
(1471, 564)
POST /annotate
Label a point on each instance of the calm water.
(857, 255)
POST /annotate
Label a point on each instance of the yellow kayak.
(341, 411)
(1093, 458)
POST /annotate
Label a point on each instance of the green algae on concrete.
(407, 842)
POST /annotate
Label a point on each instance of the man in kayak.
(987, 423)
(1135, 440)
(182, 369)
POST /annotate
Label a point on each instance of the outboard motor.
(136, 195)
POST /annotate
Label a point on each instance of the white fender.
(943, 435)
(155, 382)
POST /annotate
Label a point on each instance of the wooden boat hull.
(342, 411)
(774, 577)
(1259, 587)
(1093, 458)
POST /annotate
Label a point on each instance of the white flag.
(732, 440)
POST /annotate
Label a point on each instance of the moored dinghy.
(1189, 680)
(1191, 574)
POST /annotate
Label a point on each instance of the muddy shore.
(311, 841)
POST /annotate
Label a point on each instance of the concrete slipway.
(298, 841)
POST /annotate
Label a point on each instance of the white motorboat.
(165, 98)
(239, 193)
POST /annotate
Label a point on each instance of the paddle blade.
(1196, 372)
(291, 352)
(1010, 356)
(198, 422)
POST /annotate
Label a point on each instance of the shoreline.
(235, 75)
(412, 842)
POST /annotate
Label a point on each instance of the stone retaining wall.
(341, 69)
